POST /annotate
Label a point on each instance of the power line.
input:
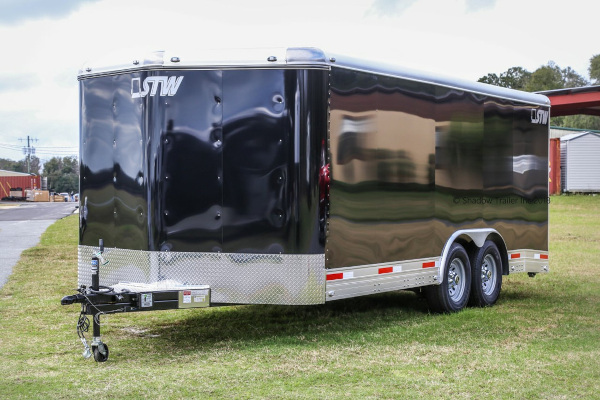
(9, 147)
(56, 152)
(44, 153)
(17, 147)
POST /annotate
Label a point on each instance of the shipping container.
(12, 180)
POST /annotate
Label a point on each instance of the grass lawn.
(540, 341)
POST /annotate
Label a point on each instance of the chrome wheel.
(456, 280)
(486, 272)
(452, 294)
(489, 271)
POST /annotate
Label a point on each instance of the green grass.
(540, 341)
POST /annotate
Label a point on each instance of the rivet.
(332, 59)
(272, 59)
(88, 69)
(135, 62)
(175, 59)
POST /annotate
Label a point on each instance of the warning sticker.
(187, 296)
(192, 298)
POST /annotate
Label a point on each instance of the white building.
(580, 162)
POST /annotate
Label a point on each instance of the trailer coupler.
(120, 299)
(99, 300)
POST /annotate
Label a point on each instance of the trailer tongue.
(99, 300)
(293, 177)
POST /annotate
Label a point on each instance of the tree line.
(62, 173)
(21, 166)
(550, 77)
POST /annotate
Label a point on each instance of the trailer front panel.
(207, 176)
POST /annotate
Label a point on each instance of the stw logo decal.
(539, 116)
(168, 86)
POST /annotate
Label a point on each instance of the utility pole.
(28, 151)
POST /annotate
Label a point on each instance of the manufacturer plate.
(145, 300)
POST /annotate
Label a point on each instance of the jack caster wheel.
(100, 355)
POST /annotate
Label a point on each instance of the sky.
(44, 43)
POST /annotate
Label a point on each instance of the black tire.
(453, 293)
(98, 356)
(486, 281)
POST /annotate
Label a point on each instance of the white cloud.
(390, 8)
(15, 11)
(462, 38)
(477, 5)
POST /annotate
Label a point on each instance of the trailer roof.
(294, 57)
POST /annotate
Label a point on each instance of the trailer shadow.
(210, 328)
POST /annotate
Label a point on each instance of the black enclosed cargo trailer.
(296, 177)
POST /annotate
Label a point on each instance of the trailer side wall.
(413, 162)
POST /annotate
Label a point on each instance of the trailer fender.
(478, 237)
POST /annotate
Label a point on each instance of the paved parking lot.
(21, 225)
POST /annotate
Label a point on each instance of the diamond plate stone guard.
(235, 278)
